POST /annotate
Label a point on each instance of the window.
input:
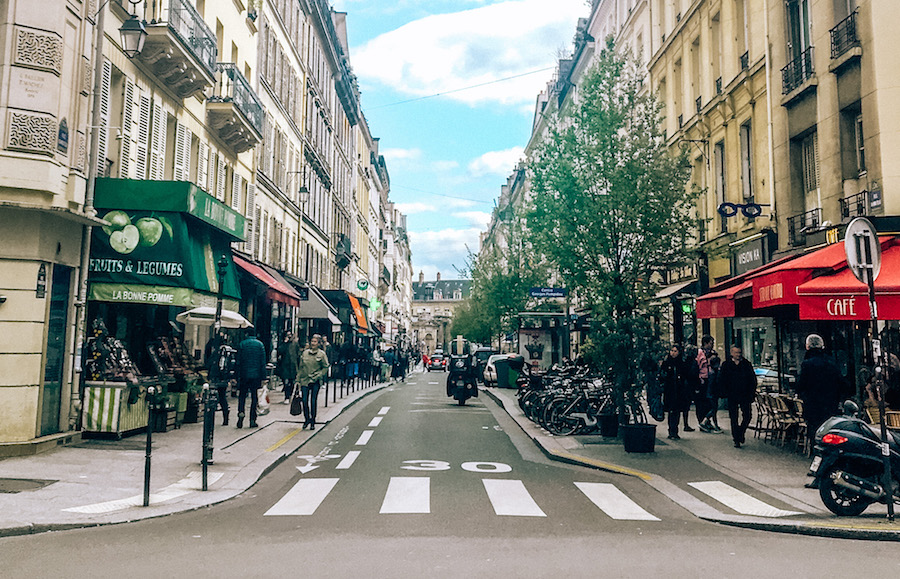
(719, 168)
(860, 145)
(798, 23)
(746, 163)
(809, 157)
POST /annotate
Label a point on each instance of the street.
(408, 484)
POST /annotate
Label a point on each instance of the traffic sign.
(863, 249)
(548, 292)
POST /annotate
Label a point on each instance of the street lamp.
(133, 35)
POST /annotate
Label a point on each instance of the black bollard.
(208, 403)
(151, 405)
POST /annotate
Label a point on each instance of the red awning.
(277, 291)
(719, 304)
(842, 297)
(361, 323)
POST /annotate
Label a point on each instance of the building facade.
(433, 305)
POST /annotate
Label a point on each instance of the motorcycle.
(848, 463)
(461, 381)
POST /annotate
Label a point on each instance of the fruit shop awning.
(277, 290)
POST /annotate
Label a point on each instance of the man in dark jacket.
(819, 385)
(737, 381)
(251, 370)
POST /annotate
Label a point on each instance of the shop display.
(106, 359)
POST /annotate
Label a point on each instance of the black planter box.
(639, 437)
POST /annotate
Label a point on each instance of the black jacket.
(251, 360)
(819, 386)
(672, 376)
(737, 382)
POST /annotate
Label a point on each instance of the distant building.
(433, 306)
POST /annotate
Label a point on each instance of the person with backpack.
(220, 363)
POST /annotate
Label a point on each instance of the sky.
(448, 147)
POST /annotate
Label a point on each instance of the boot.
(225, 418)
(240, 422)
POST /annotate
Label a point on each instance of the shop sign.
(157, 248)
(154, 295)
(41, 288)
(750, 255)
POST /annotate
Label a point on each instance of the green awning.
(156, 295)
(173, 196)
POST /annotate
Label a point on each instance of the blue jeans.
(310, 397)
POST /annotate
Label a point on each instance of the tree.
(610, 203)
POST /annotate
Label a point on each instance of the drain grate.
(18, 485)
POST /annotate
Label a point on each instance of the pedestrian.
(737, 382)
(819, 385)
(710, 383)
(691, 383)
(220, 364)
(251, 370)
(672, 373)
(286, 364)
(311, 369)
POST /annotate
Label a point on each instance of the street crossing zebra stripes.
(511, 498)
(407, 495)
(614, 502)
(738, 500)
(304, 497)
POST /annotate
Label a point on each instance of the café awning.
(279, 291)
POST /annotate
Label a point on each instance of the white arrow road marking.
(739, 501)
(510, 497)
(304, 498)
(348, 460)
(375, 422)
(187, 485)
(614, 502)
(308, 468)
(407, 495)
(384, 410)
(364, 437)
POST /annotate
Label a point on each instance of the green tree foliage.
(610, 202)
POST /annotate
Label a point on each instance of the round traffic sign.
(863, 249)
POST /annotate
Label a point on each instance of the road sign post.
(864, 259)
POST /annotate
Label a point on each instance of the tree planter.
(609, 425)
(639, 437)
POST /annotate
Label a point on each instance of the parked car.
(437, 362)
(482, 354)
(490, 371)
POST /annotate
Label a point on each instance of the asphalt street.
(408, 484)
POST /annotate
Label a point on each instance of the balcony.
(797, 71)
(855, 206)
(234, 110)
(180, 48)
(798, 225)
(844, 36)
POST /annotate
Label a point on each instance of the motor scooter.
(461, 381)
(848, 463)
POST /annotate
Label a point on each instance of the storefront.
(159, 256)
(269, 300)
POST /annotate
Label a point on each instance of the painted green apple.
(151, 230)
(125, 240)
(117, 221)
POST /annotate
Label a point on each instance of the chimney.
(438, 278)
(421, 277)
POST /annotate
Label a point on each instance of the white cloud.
(402, 154)
(414, 207)
(496, 162)
(476, 218)
(445, 166)
(447, 52)
(443, 249)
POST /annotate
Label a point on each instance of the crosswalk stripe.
(614, 502)
(407, 495)
(384, 410)
(510, 497)
(348, 460)
(364, 437)
(375, 422)
(738, 500)
(304, 497)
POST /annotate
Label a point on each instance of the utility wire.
(431, 96)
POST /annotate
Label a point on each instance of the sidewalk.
(97, 482)
(761, 468)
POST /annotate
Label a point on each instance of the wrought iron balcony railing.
(797, 71)
(798, 225)
(231, 86)
(855, 206)
(844, 36)
(187, 24)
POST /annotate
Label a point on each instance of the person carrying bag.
(311, 368)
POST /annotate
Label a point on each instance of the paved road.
(407, 484)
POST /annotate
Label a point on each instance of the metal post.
(208, 403)
(151, 406)
(880, 366)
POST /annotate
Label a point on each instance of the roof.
(446, 287)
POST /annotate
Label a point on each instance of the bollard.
(151, 404)
(208, 403)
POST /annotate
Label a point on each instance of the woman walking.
(286, 365)
(311, 368)
(672, 375)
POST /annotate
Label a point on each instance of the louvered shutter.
(127, 131)
(203, 166)
(158, 144)
(257, 218)
(182, 166)
(236, 186)
(264, 236)
(248, 214)
(220, 176)
(143, 137)
(103, 129)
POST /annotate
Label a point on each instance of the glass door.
(57, 324)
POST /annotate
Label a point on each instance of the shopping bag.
(296, 404)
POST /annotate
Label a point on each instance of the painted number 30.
(468, 466)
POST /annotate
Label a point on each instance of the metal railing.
(231, 86)
(797, 71)
(186, 23)
(844, 36)
(855, 206)
(798, 225)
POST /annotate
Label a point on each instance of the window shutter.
(143, 137)
(203, 166)
(158, 144)
(182, 167)
(264, 236)
(103, 130)
(236, 186)
(127, 122)
(220, 176)
(257, 219)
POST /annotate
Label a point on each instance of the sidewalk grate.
(18, 485)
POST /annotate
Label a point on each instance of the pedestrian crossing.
(412, 495)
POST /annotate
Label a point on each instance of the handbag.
(296, 404)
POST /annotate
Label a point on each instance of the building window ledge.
(851, 55)
(795, 95)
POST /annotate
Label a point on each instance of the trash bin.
(501, 365)
(516, 365)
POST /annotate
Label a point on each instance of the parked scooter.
(461, 381)
(848, 463)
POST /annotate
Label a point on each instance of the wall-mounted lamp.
(133, 34)
(2, 299)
